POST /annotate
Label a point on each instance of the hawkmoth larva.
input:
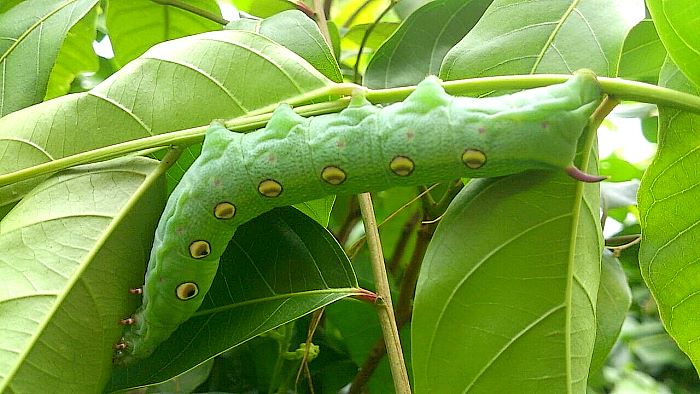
(429, 137)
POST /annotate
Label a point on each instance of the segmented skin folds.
(429, 137)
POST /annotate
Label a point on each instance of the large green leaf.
(668, 197)
(614, 299)
(62, 263)
(296, 32)
(353, 38)
(643, 54)
(136, 25)
(417, 48)
(507, 293)
(175, 85)
(677, 24)
(31, 34)
(76, 56)
(263, 9)
(262, 282)
(517, 298)
(543, 36)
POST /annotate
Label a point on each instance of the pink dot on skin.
(410, 135)
(271, 158)
(482, 130)
(340, 144)
(545, 125)
(217, 182)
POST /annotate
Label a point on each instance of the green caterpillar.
(429, 137)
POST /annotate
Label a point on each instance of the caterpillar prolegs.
(429, 137)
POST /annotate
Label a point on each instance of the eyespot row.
(333, 175)
(399, 165)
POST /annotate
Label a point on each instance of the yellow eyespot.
(402, 165)
(270, 188)
(333, 175)
(473, 158)
(186, 291)
(224, 210)
(199, 249)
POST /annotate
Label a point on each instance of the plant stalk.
(321, 21)
(619, 88)
(385, 309)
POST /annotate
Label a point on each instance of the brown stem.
(320, 14)
(365, 38)
(403, 308)
(303, 8)
(349, 223)
(621, 240)
(404, 305)
(401, 244)
(357, 11)
(385, 310)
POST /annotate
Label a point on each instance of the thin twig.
(617, 250)
(621, 240)
(322, 22)
(385, 309)
(352, 250)
(351, 219)
(357, 12)
(365, 38)
(304, 366)
(402, 243)
(404, 305)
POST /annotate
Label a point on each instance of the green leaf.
(677, 24)
(356, 12)
(417, 48)
(160, 92)
(619, 194)
(619, 169)
(650, 126)
(383, 30)
(358, 326)
(76, 56)
(296, 32)
(136, 25)
(504, 305)
(636, 382)
(614, 300)
(262, 283)
(31, 34)
(187, 382)
(263, 9)
(319, 209)
(544, 37)
(62, 265)
(405, 8)
(668, 197)
(643, 54)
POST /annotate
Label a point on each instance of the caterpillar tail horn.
(579, 175)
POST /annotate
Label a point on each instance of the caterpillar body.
(429, 137)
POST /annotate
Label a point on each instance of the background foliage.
(511, 292)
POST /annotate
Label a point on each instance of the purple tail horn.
(579, 175)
